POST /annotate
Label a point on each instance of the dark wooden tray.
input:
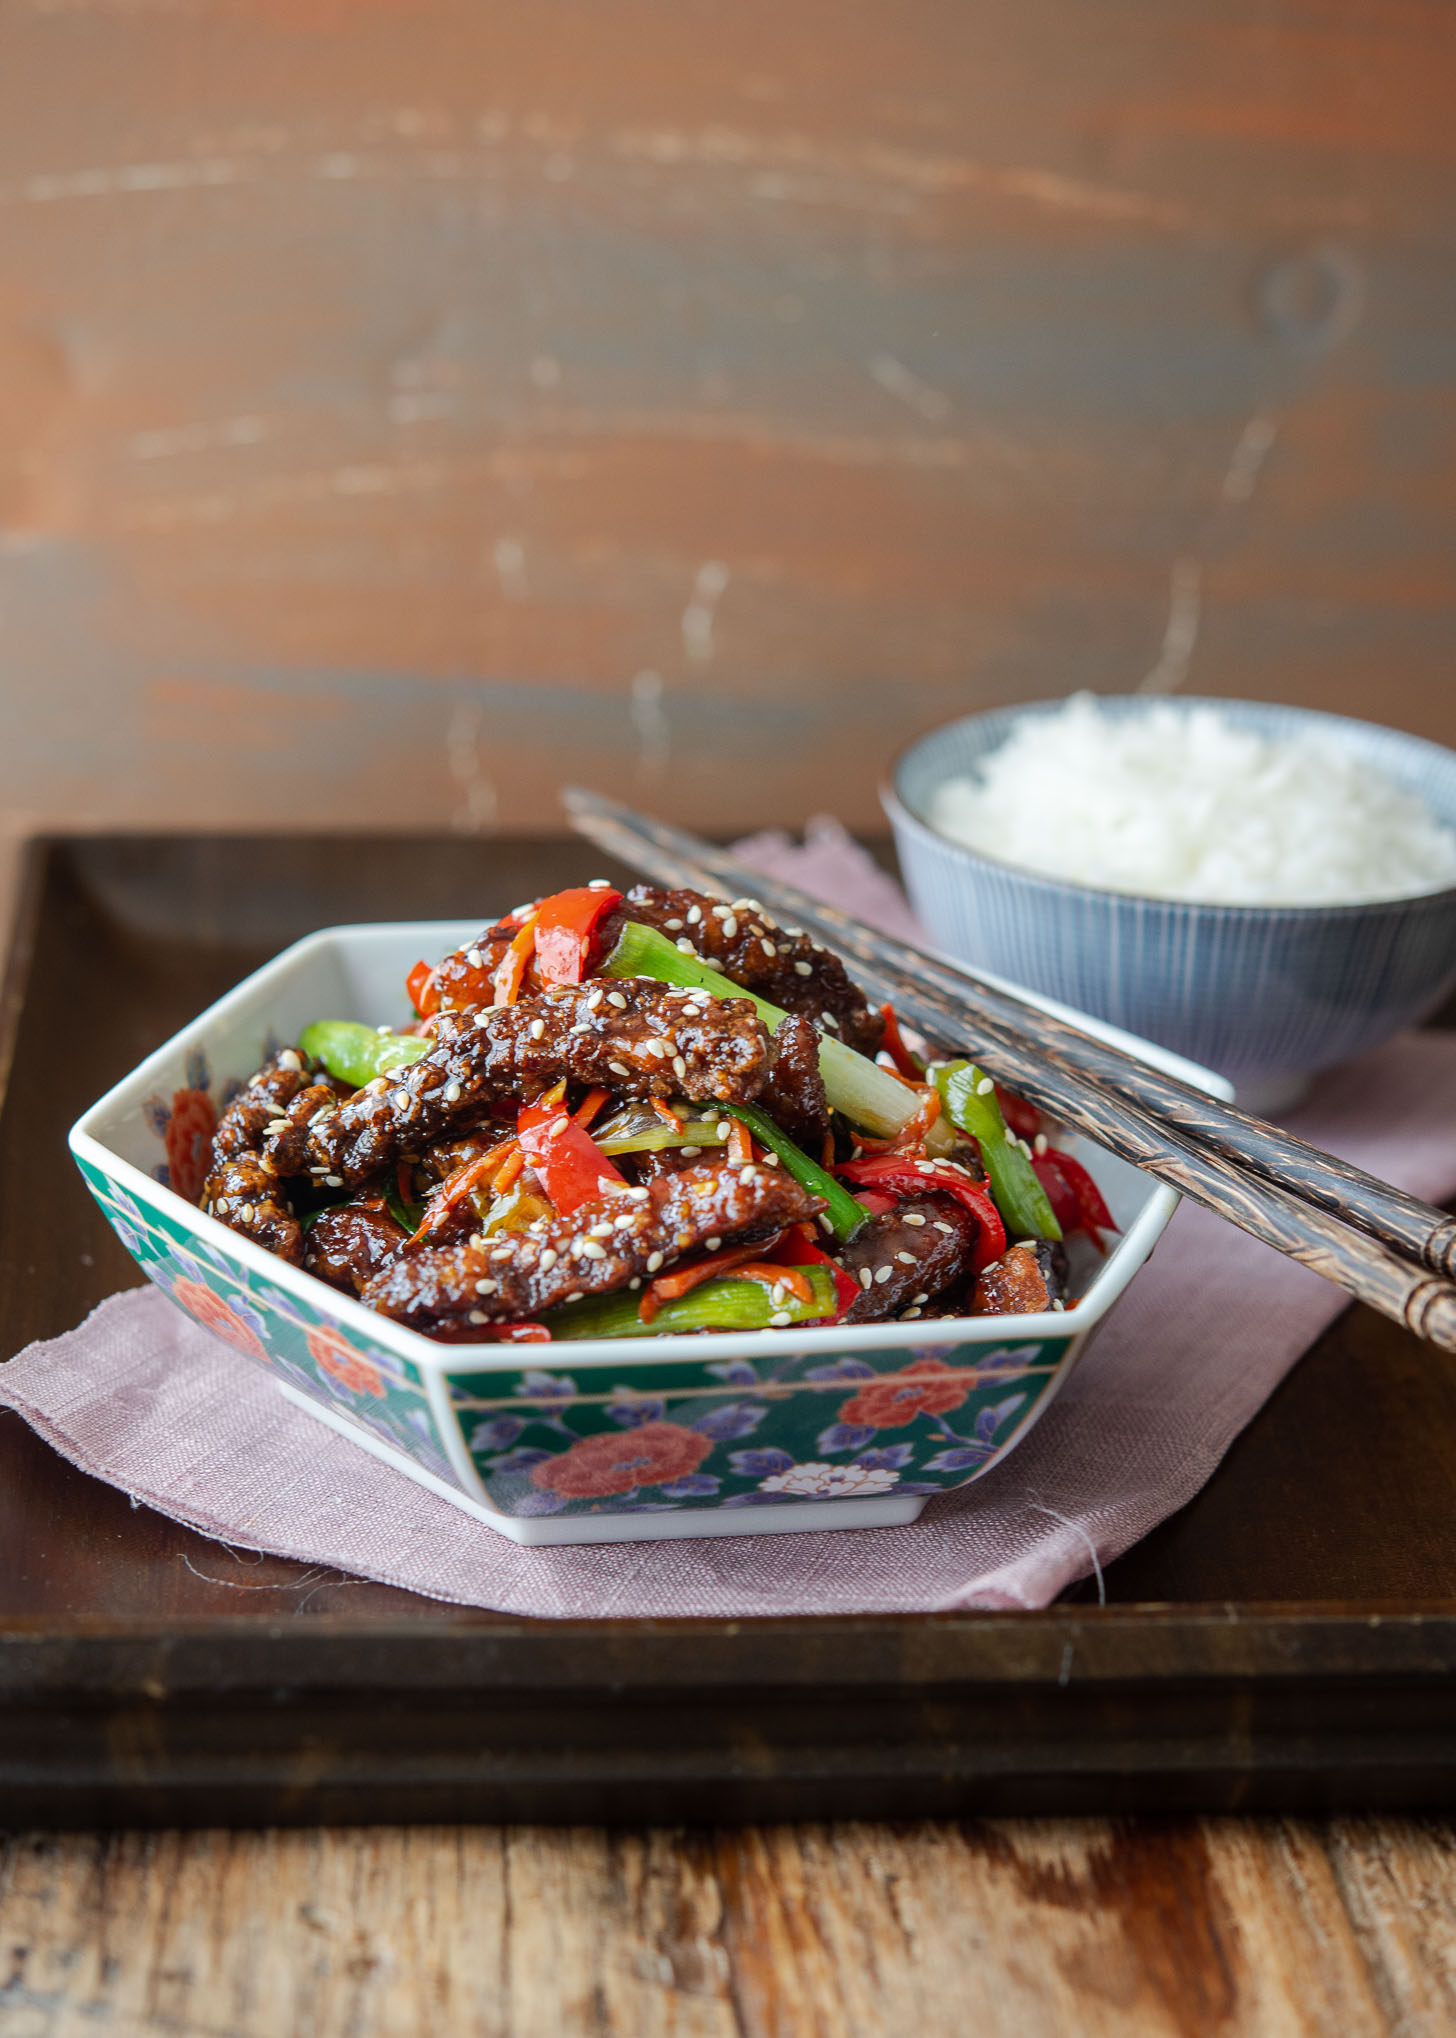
(1288, 1640)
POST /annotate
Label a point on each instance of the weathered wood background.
(405, 402)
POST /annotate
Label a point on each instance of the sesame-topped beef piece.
(634, 1036)
(245, 1194)
(784, 966)
(794, 1093)
(351, 1242)
(908, 1256)
(601, 1247)
(242, 1189)
(1027, 1278)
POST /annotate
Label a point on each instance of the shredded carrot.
(672, 1287)
(404, 1175)
(589, 1106)
(740, 1141)
(778, 1277)
(666, 1113)
(459, 1184)
(910, 1139)
(512, 968)
(647, 1306)
(826, 1156)
(515, 1161)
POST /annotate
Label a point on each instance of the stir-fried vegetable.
(914, 1178)
(572, 1168)
(867, 1094)
(357, 1054)
(843, 1213)
(564, 926)
(969, 1099)
(1075, 1196)
(642, 1128)
(723, 1304)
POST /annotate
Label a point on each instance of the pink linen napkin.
(143, 1398)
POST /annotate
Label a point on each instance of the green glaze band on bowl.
(1264, 994)
(601, 1440)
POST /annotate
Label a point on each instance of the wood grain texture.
(404, 406)
(1031, 1929)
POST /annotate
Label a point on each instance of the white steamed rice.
(1177, 802)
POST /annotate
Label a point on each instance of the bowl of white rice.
(1266, 890)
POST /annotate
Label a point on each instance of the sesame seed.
(616, 998)
(690, 1152)
(289, 1059)
(770, 1160)
(549, 1258)
(574, 1296)
(883, 1273)
(654, 1261)
(748, 1174)
(452, 1093)
(486, 1287)
(824, 1223)
(948, 1229)
(926, 1167)
(721, 912)
(590, 1250)
(830, 1020)
(923, 1296)
(695, 913)
(1011, 1140)
(911, 1217)
(619, 1068)
(730, 927)
(220, 1205)
(594, 1000)
(384, 1029)
(478, 1316)
(711, 1244)
(1058, 1304)
(661, 1048)
(1040, 1144)
(402, 1100)
(778, 1294)
(537, 1028)
(245, 1211)
(503, 1252)
(599, 884)
(602, 1230)
(639, 1194)
(333, 1181)
(685, 945)
(908, 1315)
(674, 926)
(635, 1282)
(779, 1318)
(985, 1087)
(679, 1068)
(476, 1240)
(474, 957)
(866, 1278)
(768, 947)
(906, 1259)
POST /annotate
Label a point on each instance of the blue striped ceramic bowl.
(1266, 995)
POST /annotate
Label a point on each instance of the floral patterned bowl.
(606, 1441)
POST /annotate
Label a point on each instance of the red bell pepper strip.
(915, 1178)
(798, 1247)
(1074, 1195)
(572, 1167)
(907, 1064)
(1023, 1118)
(565, 924)
(423, 986)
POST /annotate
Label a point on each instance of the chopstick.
(1211, 1152)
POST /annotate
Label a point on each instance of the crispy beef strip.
(603, 1246)
(634, 1037)
(794, 1093)
(1027, 1278)
(351, 1242)
(242, 1189)
(780, 964)
(908, 1256)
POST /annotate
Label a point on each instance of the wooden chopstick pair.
(1383, 1246)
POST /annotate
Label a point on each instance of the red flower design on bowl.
(333, 1355)
(929, 1387)
(188, 1140)
(623, 1459)
(219, 1317)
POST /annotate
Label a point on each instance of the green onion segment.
(1020, 1197)
(720, 1304)
(867, 1094)
(637, 1128)
(356, 1053)
(845, 1213)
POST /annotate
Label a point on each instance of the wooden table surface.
(1341, 1926)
